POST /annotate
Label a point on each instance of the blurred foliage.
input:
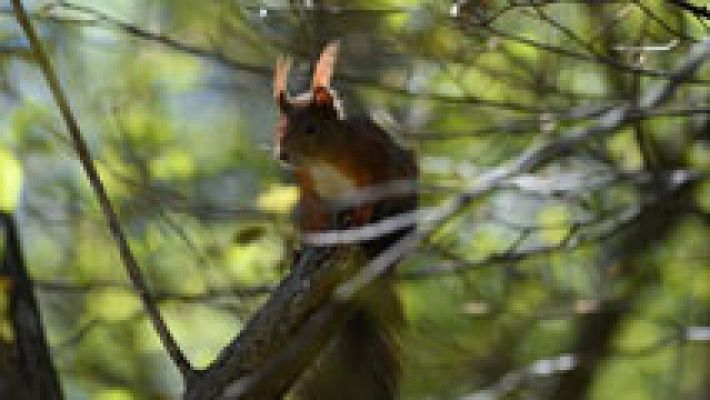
(11, 172)
(180, 123)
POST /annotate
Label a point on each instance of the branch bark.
(37, 376)
(282, 339)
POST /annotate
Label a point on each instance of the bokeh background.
(588, 277)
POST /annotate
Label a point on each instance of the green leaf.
(10, 180)
(556, 223)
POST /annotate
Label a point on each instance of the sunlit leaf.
(174, 163)
(699, 156)
(114, 304)
(624, 148)
(114, 394)
(702, 195)
(278, 199)
(555, 222)
(10, 180)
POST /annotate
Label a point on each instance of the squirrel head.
(311, 121)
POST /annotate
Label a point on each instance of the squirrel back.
(335, 159)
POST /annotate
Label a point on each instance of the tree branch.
(595, 231)
(602, 60)
(34, 363)
(268, 355)
(223, 59)
(92, 174)
(537, 155)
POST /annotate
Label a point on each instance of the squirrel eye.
(310, 129)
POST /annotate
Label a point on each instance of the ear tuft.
(282, 101)
(283, 65)
(323, 71)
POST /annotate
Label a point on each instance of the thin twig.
(602, 60)
(232, 377)
(579, 234)
(698, 11)
(82, 150)
(658, 20)
(221, 293)
(221, 58)
(530, 159)
(534, 157)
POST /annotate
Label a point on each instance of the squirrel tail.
(362, 361)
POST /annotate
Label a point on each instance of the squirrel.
(334, 156)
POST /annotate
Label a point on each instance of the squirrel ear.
(283, 65)
(326, 63)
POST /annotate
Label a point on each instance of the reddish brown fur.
(357, 148)
(361, 152)
(348, 154)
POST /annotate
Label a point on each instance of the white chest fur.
(329, 182)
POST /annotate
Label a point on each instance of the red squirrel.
(334, 155)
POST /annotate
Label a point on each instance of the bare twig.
(617, 65)
(537, 155)
(699, 11)
(164, 40)
(650, 14)
(230, 292)
(223, 59)
(250, 382)
(519, 377)
(82, 150)
(579, 235)
(267, 354)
